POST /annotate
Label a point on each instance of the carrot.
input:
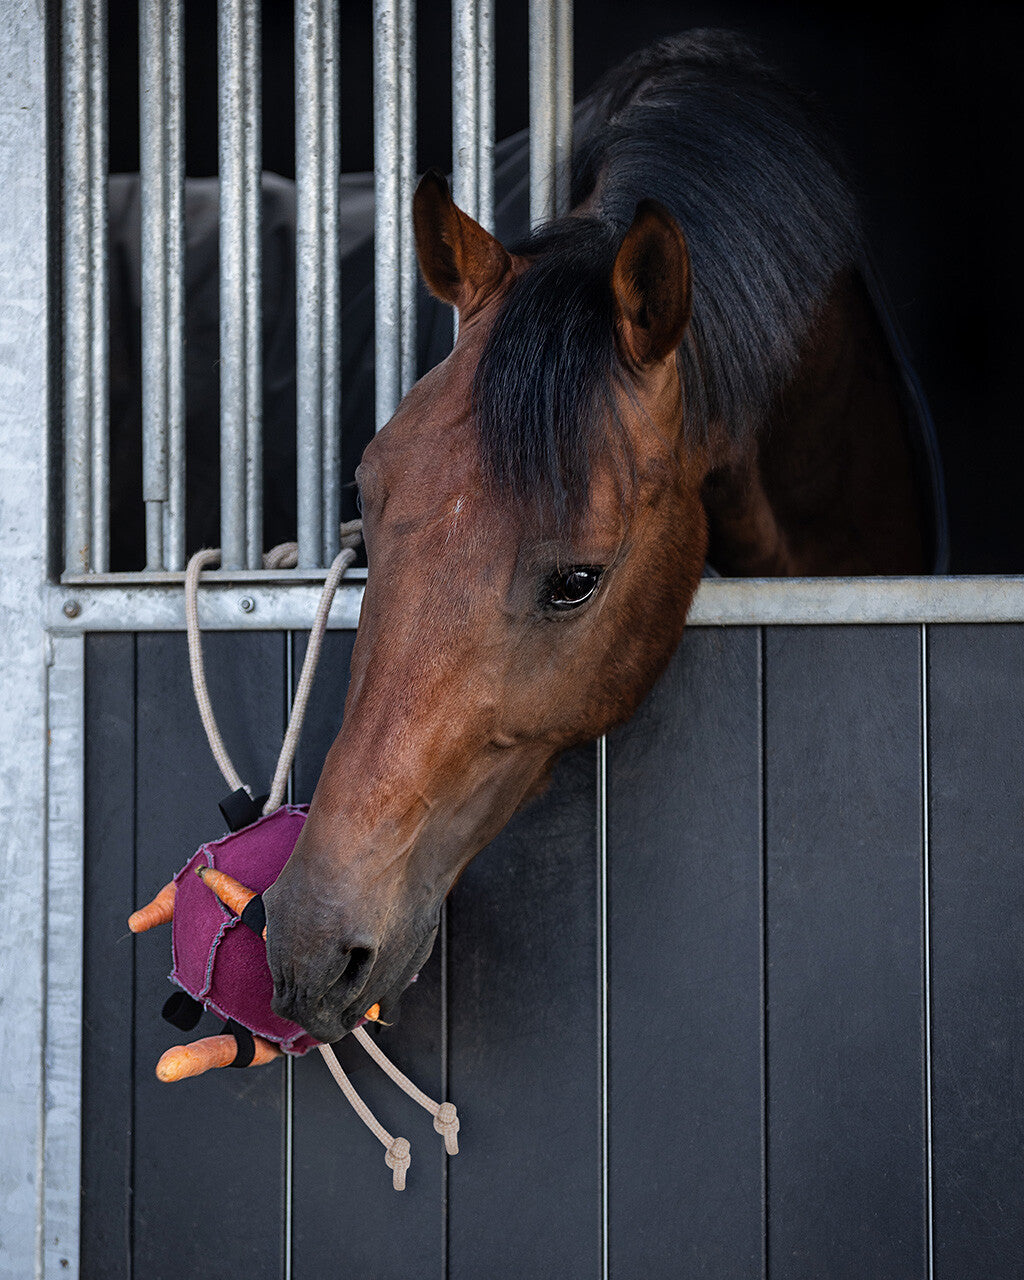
(186, 1060)
(236, 897)
(159, 911)
(373, 1013)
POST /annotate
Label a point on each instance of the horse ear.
(460, 261)
(651, 283)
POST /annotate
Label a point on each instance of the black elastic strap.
(241, 810)
(254, 914)
(182, 1010)
(246, 1050)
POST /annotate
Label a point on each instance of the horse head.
(534, 533)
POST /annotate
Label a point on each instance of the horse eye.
(569, 588)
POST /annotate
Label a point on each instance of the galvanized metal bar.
(120, 603)
(86, 395)
(563, 94)
(26, 315)
(64, 931)
(473, 108)
(330, 256)
(394, 152)
(309, 368)
(99, 288)
(926, 946)
(163, 337)
(551, 87)
(241, 354)
(408, 272)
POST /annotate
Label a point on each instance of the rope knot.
(446, 1123)
(398, 1158)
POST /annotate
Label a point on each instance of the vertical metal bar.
(330, 255)
(563, 92)
(27, 323)
(394, 160)
(86, 395)
(407, 276)
(63, 930)
(160, 103)
(99, 287)
(485, 115)
(309, 280)
(550, 107)
(465, 107)
(241, 354)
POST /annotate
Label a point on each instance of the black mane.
(700, 123)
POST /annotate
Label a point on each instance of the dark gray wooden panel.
(976, 744)
(108, 959)
(344, 1206)
(207, 1152)
(685, 970)
(844, 944)
(524, 1193)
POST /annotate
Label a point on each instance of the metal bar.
(86, 397)
(394, 160)
(562, 90)
(120, 602)
(465, 107)
(551, 87)
(485, 115)
(64, 877)
(241, 355)
(162, 179)
(330, 145)
(99, 287)
(27, 321)
(407, 275)
(309, 16)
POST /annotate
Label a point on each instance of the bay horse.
(689, 365)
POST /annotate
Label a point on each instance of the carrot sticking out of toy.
(246, 904)
(159, 911)
(186, 1060)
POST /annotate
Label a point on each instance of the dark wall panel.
(108, 960)
(524, 1194)
(344, 1206)
(207, 1152)
(976, 743)
(844, 946)
(684, 970)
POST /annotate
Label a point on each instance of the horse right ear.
(461, 262)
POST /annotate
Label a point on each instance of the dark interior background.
(926, 100)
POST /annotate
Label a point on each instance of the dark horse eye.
(569, 588)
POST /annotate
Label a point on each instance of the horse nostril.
(356, 968)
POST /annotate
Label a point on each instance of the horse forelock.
(752, 177)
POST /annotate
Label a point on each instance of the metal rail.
(241, 338)
(551, 88)
(86, 379)
(473, 109)
(394, 155)
(162, 172)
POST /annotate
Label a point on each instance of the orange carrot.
(159, 911)
(186, 1060)
(373, 1013)
(236, 897)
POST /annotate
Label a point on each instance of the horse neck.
(828, 485)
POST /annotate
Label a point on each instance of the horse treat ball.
(218, 927)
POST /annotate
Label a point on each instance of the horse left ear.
(651, 283)
(460, 261)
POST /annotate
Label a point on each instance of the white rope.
(283, 556)
(446, 1118)
(398, 1153)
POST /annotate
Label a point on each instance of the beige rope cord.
(398, 1153)
(446, 1120)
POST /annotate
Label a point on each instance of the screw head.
(247, 604)
(71, 609)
